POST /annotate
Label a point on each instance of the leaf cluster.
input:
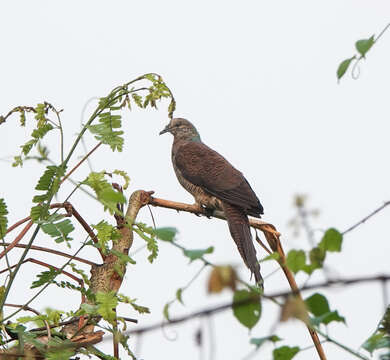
(297, 259)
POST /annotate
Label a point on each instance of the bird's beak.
(165, 130)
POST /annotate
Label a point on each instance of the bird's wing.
(206, 168)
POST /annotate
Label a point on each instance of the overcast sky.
(258, 79)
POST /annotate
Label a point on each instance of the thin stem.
(18, 223)
(43, 287)
(56, 252)
(17, 239)
(38, 262)
(79, 163)
(6, 255)
(13, 275)
(342, 346)
(115, 343)
(382, 32)
(28, 308)
(81, 123)
(387, 203)
(61, 135)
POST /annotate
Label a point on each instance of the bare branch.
(56, 252)
(215, 309)
(387, 203)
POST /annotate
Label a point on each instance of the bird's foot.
(209, 212)
(200, 209)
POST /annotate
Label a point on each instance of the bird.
(216, 185)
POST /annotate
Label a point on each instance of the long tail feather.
(241, 234)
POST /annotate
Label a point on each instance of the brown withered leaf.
(222, 277)
(294, 307)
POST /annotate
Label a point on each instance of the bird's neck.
(187, 138)
(180, 141)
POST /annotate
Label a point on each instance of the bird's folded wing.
(206, 168)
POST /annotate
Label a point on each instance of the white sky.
(258, 80)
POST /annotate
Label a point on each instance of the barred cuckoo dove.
(216, 185)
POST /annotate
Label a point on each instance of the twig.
(44, 286)
(38, 262)
(387, 203)
(295, 289)
(56, 252)
(17, 239)
(79, 163)
(355, 353)
(28, 308)
(20, 222)
(226, 306)
(76, 319)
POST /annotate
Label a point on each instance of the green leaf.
(318, 305)
(17, 161)
(106, 233)
(125, 299)
(179, 292)
(107, 302)
(247, 307)
(317, 257)
(385, 322)
(89, 309)
(343, 67)
(273, 256)
(105, 193)
(327, 318)
(58, 230)
(198, 253)
(125, 259)
(43, 127)
(124, 176)
(39, 133)
(166, 311)
(285, 352)
(166, 233)
(139, 308)
(50, 183)
(151, 242)
(137, 99)
(379, 340)
(80, 272)
(331, 241)
(296, 260)
(362, 46)
(44, 277)
(260, 341)
(3, 218)
(38, 212)
(59, 349)
(46, 180)
(104, 131)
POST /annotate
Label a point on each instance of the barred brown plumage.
(216, 184)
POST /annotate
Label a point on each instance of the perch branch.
(273, 238)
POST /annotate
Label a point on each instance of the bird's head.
(181, 129)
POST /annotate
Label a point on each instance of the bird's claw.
(209, 212)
